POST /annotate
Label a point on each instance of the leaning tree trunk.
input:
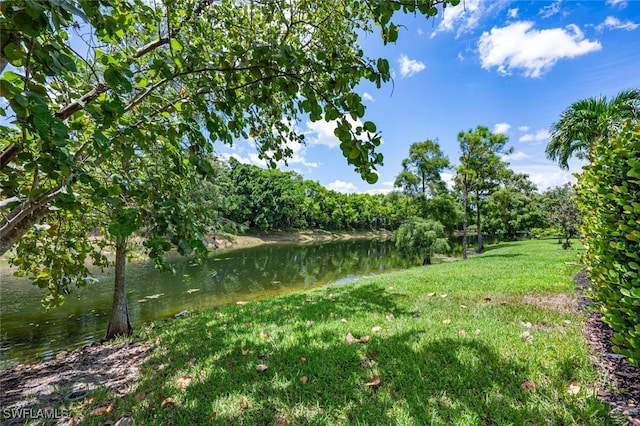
(119, 324)
(480, 248)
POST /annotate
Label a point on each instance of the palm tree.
(589, 120)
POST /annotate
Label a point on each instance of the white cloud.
(519, 46)
(524, 128)
(321, 132)
(537, 137)
(448, 179)
(516, 156)
(460, 56)
(501, 128)
(614, 23)
(420, 32)
(341, 186)
(550, 10)
(513, 13)
(617, 3)
(409, 67)
(461, 19)
(367, 97)
(548, 175)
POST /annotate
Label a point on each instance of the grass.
(450, 351)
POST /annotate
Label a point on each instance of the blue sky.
(512, 66)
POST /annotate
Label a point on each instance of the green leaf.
(67, 62)
(175, 45)
(369, 126)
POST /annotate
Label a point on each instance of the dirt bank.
(241, 241)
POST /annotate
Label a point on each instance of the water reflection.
(28, 332)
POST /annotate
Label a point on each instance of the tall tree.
(514, 208)
(161, 84)
(562, 212)
(479, 173)
(421, 170)
(588, 120)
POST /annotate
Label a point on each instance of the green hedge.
(608, 194)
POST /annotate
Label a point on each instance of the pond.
(29, 333)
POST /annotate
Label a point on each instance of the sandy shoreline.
(226, 242)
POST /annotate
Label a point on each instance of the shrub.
(607, 194)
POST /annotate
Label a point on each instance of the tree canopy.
(588, 120)
(91, 80)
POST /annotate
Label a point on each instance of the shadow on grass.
(423, 380)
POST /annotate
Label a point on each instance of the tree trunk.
(465, 205)
(119, 324)
(20, 219)
(480, 247)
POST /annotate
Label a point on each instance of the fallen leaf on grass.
(363, 339)
(525, 324)
(244, 351)
(244, 404)
(330, 296)
(183, 382)
(349, 338)
(283, 422)
(302, 360)
(375, 382)
(574, 388)
(526, 337)
(331, 314)
(376, 329)
(229, 364)
(190, 362)
(431, 294)
(416, 314)
(463, 306)
(304, 380)
(528, 385)
(309, 323)
(100, 411)
(444, 295)
(264, 334)
(343, 320)
(213, 415)
(390, 317)
(375, 354)
(446, 321)
(476, 331)
(125, 421)
(167, 402)
(261, 368)
(462, 332)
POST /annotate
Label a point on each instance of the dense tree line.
(250, 198)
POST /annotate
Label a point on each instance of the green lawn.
(492, 340)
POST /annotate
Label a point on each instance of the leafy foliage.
(120, 130)
(588, 121)
(480, 172)
(607, 194)
(421, 238)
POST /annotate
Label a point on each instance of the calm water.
(28, 332)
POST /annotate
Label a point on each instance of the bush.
(607, 194)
